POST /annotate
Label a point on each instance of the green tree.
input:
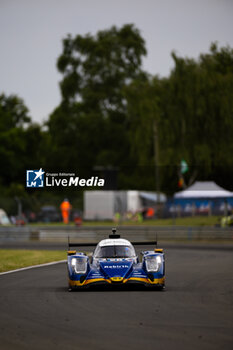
(90, 125)
(13, 120)
(21, 141)
(96, 68)
(201, 96)
(110, 108)
(193, 109)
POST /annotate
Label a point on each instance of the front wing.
(159, 282)
(138, 276)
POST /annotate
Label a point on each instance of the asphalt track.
(194, 312)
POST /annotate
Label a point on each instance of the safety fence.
(96, 233)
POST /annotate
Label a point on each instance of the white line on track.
(33, 267)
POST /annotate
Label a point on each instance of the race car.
(114, 261)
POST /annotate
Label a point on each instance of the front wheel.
(161, 288)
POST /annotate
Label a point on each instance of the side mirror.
(71, 252)
(158, 250)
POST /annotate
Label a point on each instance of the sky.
(31, 34)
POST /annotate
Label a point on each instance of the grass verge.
(11, 259)
(182, 221)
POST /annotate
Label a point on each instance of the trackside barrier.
(96, 233)
(14, 233)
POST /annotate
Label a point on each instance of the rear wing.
(71, 245)
(114, 236)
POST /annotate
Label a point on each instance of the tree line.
(114, 115)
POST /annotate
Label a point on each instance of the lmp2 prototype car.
(114, 261)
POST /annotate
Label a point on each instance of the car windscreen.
(115, 251)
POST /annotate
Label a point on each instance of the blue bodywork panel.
(84, 271)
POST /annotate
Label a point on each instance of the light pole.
(156, 160)
(19, 206)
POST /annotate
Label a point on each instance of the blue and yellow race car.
(114, 261)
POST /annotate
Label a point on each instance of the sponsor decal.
(40, 178)
(116, 267)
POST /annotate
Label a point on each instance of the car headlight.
(153, 263)
(79, 265)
